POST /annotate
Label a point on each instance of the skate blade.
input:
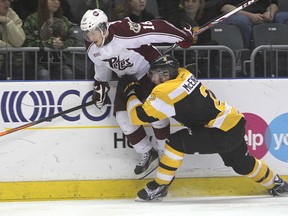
(153, 166)
(138, 199)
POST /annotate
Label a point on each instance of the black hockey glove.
(189, 41)
(128, 85)
(100, 93)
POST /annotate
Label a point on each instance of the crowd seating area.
(268, 58)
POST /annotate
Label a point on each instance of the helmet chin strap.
(164, 78)
(103, 36)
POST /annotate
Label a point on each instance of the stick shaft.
(223, 17)
(215, 21)
(12, 130)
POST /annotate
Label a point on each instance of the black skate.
(152, 191)
(280, 188)
(147, 164)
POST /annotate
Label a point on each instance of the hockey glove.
(189, 41)
(128, 85)
(100, 93)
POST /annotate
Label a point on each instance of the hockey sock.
(170, 161)
(139, 140)
(262, 174)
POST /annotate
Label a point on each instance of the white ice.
(198, 206)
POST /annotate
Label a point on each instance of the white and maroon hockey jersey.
(128, 49)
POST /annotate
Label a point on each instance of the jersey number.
(147, 25)
(204, 91)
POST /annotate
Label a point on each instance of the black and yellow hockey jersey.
(186, 100)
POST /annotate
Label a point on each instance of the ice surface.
(210, 206)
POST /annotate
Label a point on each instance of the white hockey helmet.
(94, 20)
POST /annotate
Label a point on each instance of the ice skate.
(280, 188)
(147, 164)
(152, 191)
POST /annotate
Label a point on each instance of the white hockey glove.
(100, 93)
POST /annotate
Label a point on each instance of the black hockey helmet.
(165, 64)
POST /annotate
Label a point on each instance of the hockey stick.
(45, 119)
(215, 21)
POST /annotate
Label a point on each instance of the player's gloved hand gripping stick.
(100, 93)
(128, 85)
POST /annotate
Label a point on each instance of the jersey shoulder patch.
(125, 28)
(151, 97)
(135, 27)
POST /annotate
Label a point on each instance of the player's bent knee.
(240, 161)
(124, 122)
(175, 142)
(245, 167)
(161, 123)
(161, 129)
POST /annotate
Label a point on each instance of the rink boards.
(84, 154)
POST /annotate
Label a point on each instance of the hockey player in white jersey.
(125, 48)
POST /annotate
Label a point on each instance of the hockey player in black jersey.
(212, 126)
